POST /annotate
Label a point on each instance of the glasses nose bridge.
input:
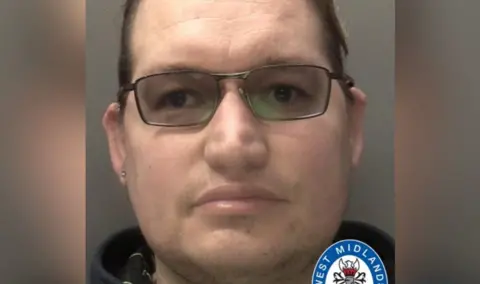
(238, 75)
(241, 89)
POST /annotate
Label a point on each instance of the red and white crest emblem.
(349, 273)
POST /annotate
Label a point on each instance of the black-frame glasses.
(274, 92)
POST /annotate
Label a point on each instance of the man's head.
(302, 164)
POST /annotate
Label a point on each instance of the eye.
(285, 94)
(177, 99)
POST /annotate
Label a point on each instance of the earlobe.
(356, 120)
(115, 136)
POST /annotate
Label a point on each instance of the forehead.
(224, 35)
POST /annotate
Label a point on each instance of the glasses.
(274, 93)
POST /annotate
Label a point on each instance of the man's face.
(304, 163)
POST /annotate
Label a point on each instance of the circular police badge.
(349, 262)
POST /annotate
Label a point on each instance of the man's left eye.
(284, 94)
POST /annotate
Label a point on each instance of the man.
(235, 131)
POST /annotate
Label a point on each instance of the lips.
(237, 192)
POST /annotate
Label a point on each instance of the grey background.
(371, 30)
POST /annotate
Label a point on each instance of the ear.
(114, 130)
(356, 118)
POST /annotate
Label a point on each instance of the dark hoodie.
(126, 258)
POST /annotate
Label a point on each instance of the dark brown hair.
(335, 40)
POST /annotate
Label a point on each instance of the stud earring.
(123, 174)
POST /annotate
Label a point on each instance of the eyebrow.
(183, 66)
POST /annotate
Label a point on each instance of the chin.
(231, 254)
(232, 249)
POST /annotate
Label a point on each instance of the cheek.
(316, 164)
(158, 170)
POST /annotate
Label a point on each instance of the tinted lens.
(177, 98)
(288, 92)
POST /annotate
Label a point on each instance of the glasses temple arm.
(123, 90)
(347, 83)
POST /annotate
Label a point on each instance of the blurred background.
(371, 29)
(437, 139)
(435, 130)
(42, 165)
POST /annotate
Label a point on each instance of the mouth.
(238, 199)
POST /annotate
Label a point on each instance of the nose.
(236, 143)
